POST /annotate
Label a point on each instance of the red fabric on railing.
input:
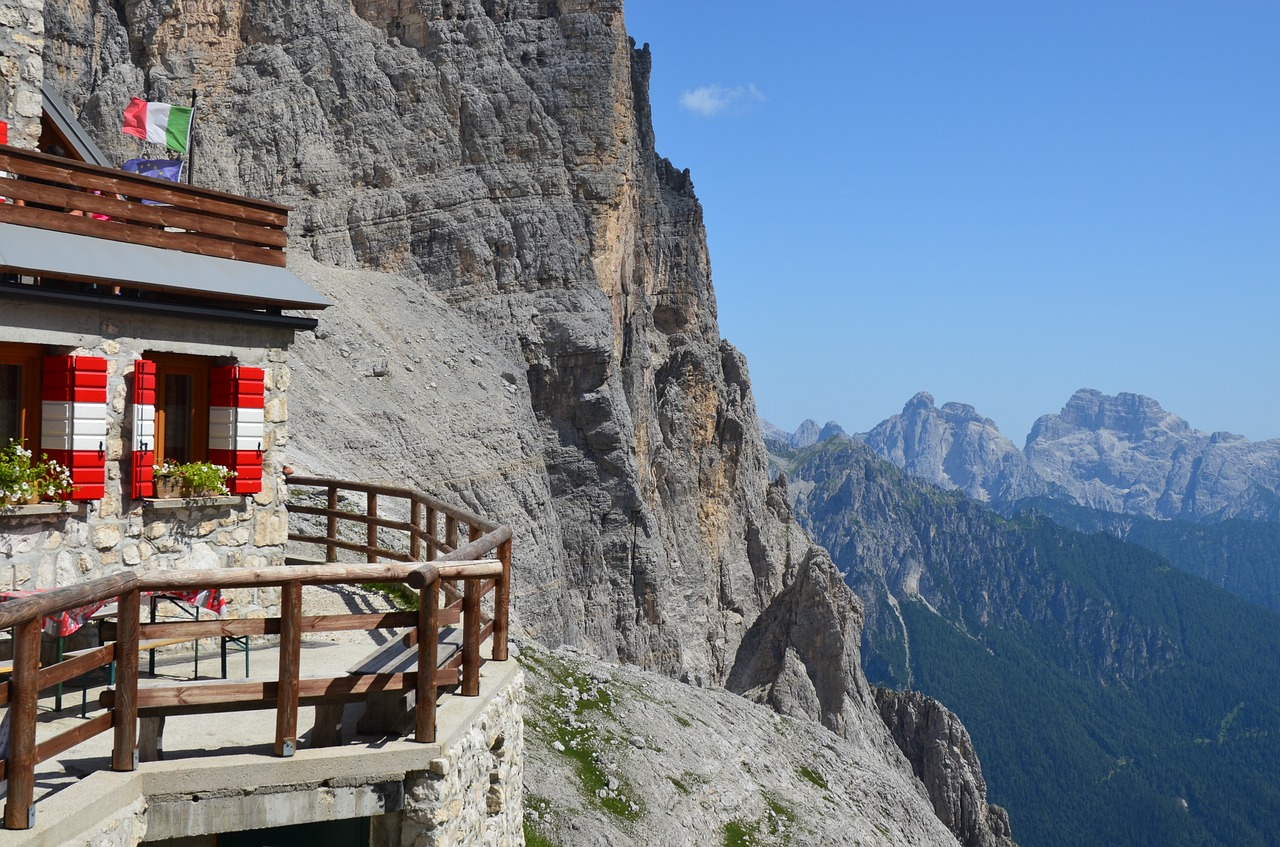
(70, 620)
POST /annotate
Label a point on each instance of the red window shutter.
(73, 425)
(236, 424)
(144, 429)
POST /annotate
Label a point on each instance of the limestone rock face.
(1121, 453)
(942, 756)
(952, 447)
(499, 157)
(806, 435)
(801, 656)
(1127, 454)
(624, 757)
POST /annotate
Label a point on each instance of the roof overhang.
(71, 130)
(42, 252)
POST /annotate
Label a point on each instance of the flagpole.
(191, 149)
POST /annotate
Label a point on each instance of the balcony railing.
(451, 586)
(63, 195)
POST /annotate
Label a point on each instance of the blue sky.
(995, 202)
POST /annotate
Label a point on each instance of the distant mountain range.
(1116, 699)
(1121, 453)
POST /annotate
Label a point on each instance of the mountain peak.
(1132, 415)
(922, 399)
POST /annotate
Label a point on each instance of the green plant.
(22, 478)
(814, 777)
(533, 838)
(201, 477)
(398, 593)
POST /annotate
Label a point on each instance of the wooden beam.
(126, 706)
(332, 545)
(481, 546)
(502, 604)
(191, 630)
(323, 574)
(371, 529)
(443, 569)
(331, 552)
(134, 214)
(20, 766)
(415, 534)
(187, 242)
(290, 664)
(396, 491)
(72, 596)
(84, 175)
(431, 533)
(72, 667)
(428, 657)
(471, 639)
(49, 748)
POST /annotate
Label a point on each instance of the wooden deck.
(450, 587)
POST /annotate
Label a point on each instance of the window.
(182, 409)
(186, 409)
(20, 394)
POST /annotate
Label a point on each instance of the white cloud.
(711, 100)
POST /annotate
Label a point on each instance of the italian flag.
(158, 122)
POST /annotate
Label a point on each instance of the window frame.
(29, 357)
(198, 369)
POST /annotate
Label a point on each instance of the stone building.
(117, 355)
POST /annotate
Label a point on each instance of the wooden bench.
(385, 679)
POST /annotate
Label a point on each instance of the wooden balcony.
(63, 195)
(464, 585)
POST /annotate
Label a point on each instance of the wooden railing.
(454, 569)
(424, 528)
(62, 194)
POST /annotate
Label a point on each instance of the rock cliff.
(952, 447)
(627, 758)
(499, 157)
(942, 756)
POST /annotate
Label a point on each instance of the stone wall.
(45, 547)
(21, 69)
(473, 794)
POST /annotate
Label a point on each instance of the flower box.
(174, 480)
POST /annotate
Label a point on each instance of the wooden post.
(290, 661)
(371, 530)
(471, 638)
(415, 535)
(331, 531)
(502, 603)
(474, 532)
(428, 658)
(451, 532)
(23, 700)
(125, 720)
(431, 533)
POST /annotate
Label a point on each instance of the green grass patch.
(578, 740)
(533, 838)
(814, 777)
(738, 834)
(680, 786)
(398, 593)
